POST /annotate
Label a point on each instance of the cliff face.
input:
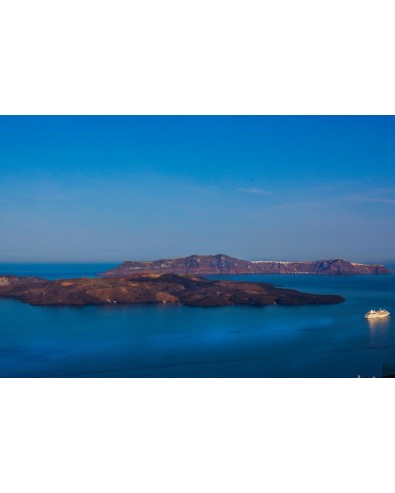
(154, 288)
(223, 264)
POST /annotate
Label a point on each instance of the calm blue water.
(56, 271)
(174, 341)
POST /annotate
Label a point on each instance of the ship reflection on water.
(378, 323)
(379, 329)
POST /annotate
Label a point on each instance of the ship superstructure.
(377, 313)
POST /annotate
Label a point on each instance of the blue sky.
(115, 188)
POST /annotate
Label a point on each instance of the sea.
(142, 341)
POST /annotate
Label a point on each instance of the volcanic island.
(154, 288)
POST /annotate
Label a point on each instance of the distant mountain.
(223, 264)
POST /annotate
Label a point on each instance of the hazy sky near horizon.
(116, 188)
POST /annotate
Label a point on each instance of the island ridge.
(223, 264)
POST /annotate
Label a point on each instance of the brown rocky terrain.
(223, 264)
(154, 288)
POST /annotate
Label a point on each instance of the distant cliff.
(223, 264)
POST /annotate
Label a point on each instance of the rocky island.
(154, 288)
(223, 264)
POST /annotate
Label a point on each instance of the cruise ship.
(377, 314)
